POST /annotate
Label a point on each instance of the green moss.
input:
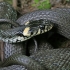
(45, 4)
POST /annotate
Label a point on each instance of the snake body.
(14, 67)
(17, 34)
(7, 12)
(7, 15)
(59, 18)
(55, 59)
(29, 63)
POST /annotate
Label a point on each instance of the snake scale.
(56, 59)
(8, 17)
(59, 18)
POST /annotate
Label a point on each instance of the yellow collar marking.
(26, 31)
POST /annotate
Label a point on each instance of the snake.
(7, 13)
(44, 20)
(36, 23)
(53, 59)
(8, 16)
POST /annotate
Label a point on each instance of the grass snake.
(53, 59)
(33, 24)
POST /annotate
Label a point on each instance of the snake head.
(23, 33)
(37, 27)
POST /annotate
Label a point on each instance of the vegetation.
(42, 4)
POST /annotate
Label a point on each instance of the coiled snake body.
(7, 15)
(55, 59)
(60, 18)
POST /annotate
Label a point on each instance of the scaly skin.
(17, 34)
(50, 59)
(14, 67)
(10, 49)
(54, 59)
(8, 16)
(29, 63)
(7, 12)
(60, 17)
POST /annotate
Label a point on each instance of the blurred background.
(24, 6)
